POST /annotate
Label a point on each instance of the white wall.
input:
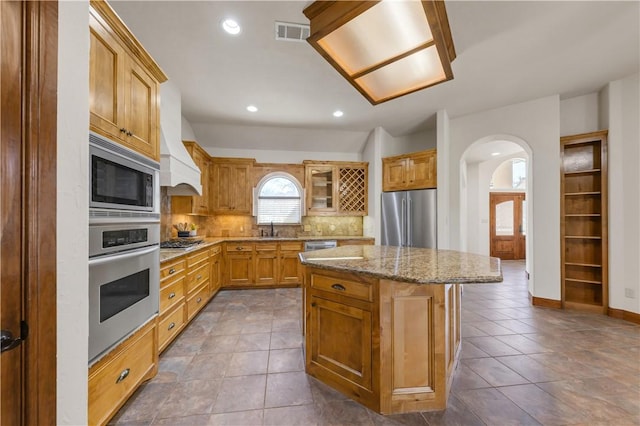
(579, 114)
(443, 144)
(225, 138)
(624, 191)
(187, 131)
(373, 154)
(280, 156)
(537, 123)
(410, 143)
(72, 212)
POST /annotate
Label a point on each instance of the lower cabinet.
(289, 264)
(173, 295)
(215, 279)
(266, 264)
(238, 265)
(114, 378)
(341, 327)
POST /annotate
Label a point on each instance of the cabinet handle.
(122, 375)
(199, 299)
(338, 287)
(123, 130)
(171, 271)
(172, 295)
(129, 134)
(313, 305)
(198, 277)
(238, 248)
(173, 324)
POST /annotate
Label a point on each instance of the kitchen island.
(382, 323)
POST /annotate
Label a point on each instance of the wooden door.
(215, 280)
(28, 53)
(394, 173)
(239, 269)
(241, 190)
(321, 189)
(508, 227)
(106, 88)
(141, 112)
(421, 170)
(222, 181)
(340, 339)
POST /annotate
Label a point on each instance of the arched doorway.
(477, 166)
(507, 210)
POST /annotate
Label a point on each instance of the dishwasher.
(319, 245)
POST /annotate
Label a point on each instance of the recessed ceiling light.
(338, 113)
(495, 153)
(252, 108)
(231, 26)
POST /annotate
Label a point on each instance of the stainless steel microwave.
(120, 179)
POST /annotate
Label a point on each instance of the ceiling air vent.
(291, 32)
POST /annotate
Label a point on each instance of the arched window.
(278, 199)
(511, 174)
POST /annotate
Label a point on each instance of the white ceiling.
(507, 52)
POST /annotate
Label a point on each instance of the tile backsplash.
(245, 226)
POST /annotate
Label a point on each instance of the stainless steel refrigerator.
(409, 218)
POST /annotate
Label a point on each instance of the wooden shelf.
(584, 237)
(583, 281)
(588, 265)
(583, 222)
(573, 194)
(582, 172)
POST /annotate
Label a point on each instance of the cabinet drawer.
(235, 248)
(172, 294)
(343, 287)
(294, 246)
(170, 325)
(266, 247)
(173, 268)
(197, 302)
(198, 257)
(197, 277)
(111, 382)
(215, 250)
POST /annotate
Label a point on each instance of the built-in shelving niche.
(584, 221)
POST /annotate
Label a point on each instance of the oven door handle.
(110, 258)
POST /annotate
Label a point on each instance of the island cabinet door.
(339, 344)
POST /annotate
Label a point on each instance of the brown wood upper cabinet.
(124, 84)
(417, 170)
(336, 188)
(231, 185)
(197, 204)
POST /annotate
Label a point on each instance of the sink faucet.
(272, 229)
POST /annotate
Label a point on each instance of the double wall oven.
(124, 243)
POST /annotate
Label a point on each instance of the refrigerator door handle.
(403, 218)
(409, 220)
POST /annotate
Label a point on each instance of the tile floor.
(240, 363)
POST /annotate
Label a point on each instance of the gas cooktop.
(180, 243)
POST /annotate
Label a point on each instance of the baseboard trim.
(612, 312)
(545, 303)
(624, 315)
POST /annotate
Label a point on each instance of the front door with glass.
(508, 225)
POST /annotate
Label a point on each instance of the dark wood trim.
(39, 195)
(545, 303)
(624, 315)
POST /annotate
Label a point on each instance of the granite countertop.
(169, 254)
(408, 264)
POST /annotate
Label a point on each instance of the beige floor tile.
(241, 394)
(586, 367)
